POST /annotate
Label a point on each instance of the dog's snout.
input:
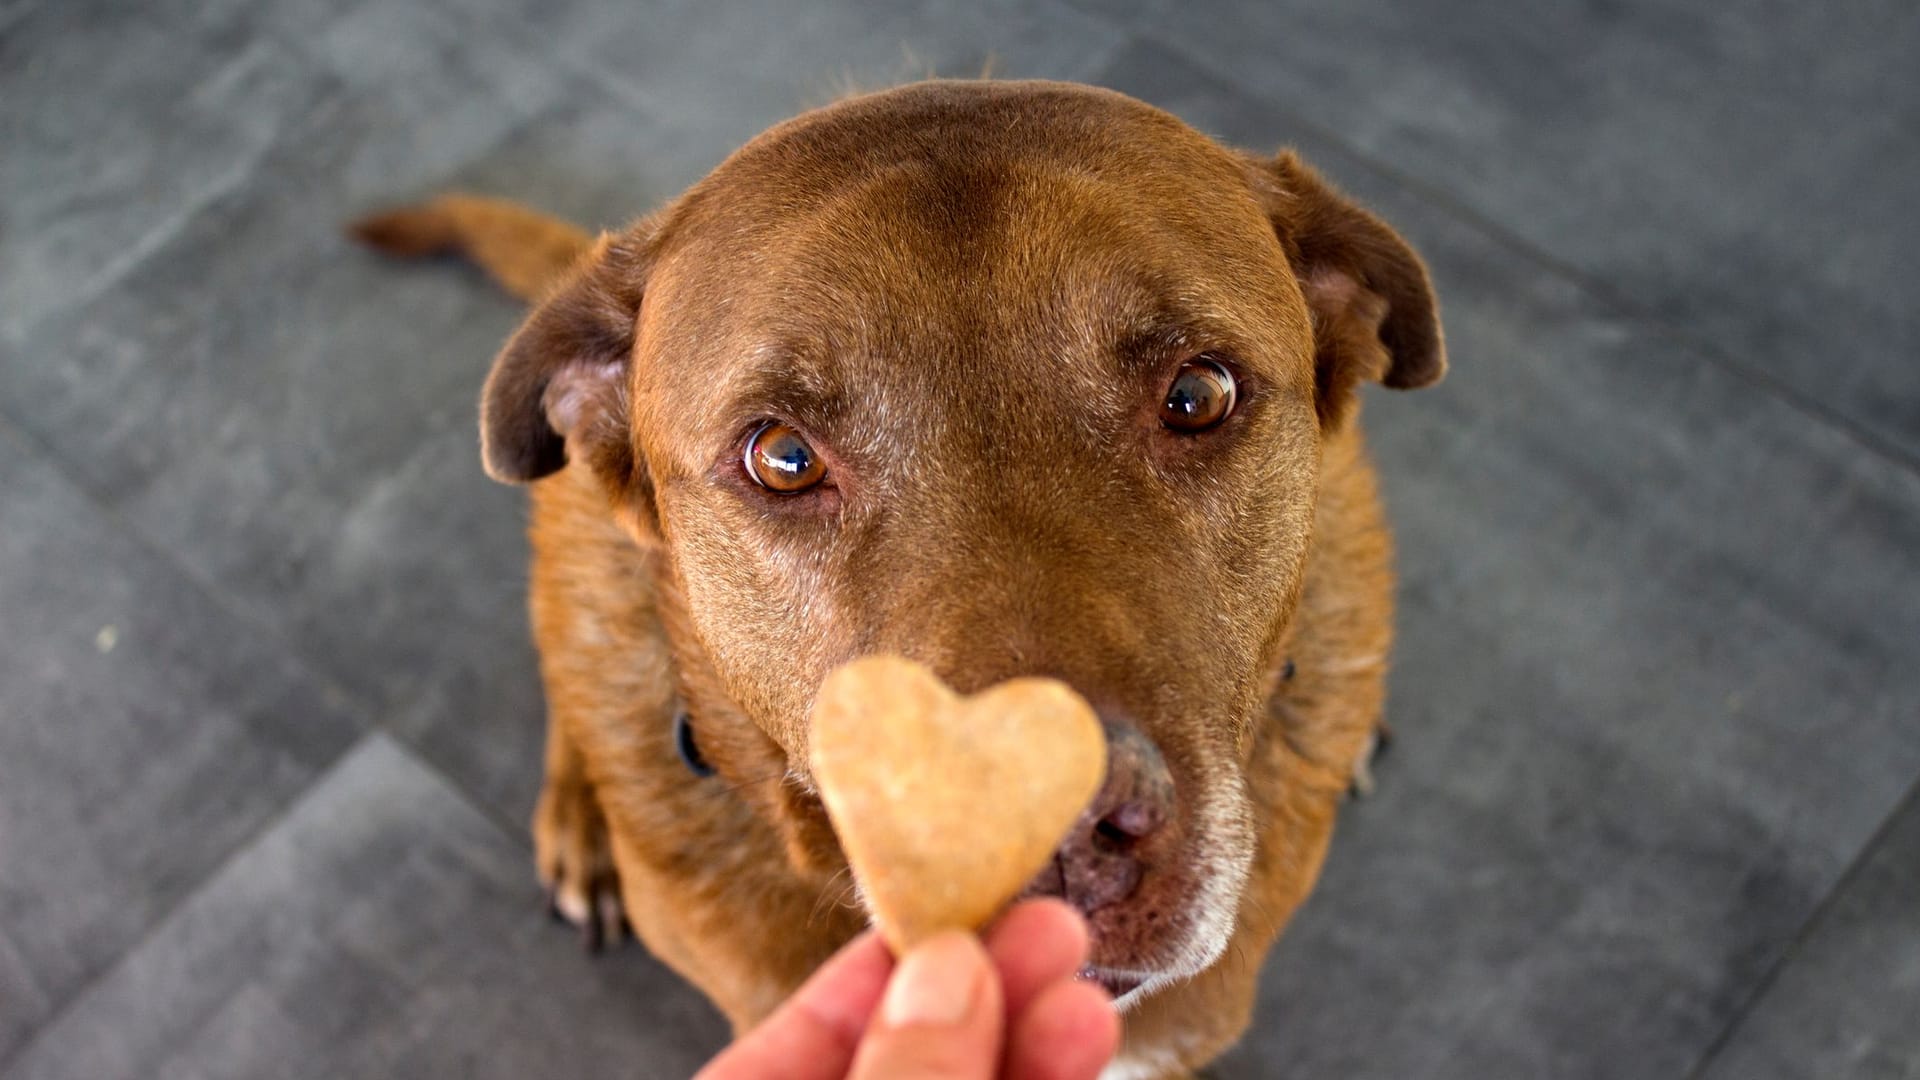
(1111, 846)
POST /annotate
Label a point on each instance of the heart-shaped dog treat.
(946, 806)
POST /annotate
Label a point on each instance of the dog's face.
(1010, 378)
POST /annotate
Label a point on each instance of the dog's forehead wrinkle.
(970, 217)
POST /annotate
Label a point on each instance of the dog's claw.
(609, 915)
(574, 860)
(1377, 745)
(605, 925)
(595, 910)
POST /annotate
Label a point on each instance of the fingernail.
(935, 984)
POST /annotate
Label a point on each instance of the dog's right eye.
(1202, 395)
(780, 460)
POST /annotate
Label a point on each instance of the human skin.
(1005, 1005)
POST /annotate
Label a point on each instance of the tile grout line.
(150, 242)
(1908, 802)
(240, 850)
(246, 843)
(356, 709)
(635, 98)
(268, 825)
(1443, 199)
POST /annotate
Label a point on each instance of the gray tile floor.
(268, 718)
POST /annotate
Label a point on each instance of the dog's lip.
(1118, 984)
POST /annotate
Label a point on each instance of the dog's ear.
(558, 390)
(1374, 313)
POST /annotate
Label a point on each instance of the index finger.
(813, 1035)
(1034, 945)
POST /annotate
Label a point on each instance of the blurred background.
(269, 721)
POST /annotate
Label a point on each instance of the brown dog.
(1007, 377)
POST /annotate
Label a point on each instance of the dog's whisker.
(848, 897)
(826, 894)
(736, 787)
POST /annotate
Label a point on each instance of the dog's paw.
(1376, 748)
(574, 858)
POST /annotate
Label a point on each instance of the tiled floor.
(268, 721)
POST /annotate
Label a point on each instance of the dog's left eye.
(780, 460)
(1202, 395)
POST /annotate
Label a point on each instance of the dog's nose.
(1104, 856)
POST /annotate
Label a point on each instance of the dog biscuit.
(947, 806)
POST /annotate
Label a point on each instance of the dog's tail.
(522, 249)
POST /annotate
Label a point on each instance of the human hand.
(956, 1006)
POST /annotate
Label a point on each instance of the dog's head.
(1011, 378)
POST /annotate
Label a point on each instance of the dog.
(1007, 377)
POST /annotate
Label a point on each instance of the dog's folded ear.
(558, 391)
(1374, 312)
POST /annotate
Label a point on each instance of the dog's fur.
(970, 297)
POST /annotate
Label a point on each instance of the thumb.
(940, 1019)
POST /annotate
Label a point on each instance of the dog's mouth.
(1118, 984)
(1139, 938)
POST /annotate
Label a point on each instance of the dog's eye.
(780, 460)
(1201, 396)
